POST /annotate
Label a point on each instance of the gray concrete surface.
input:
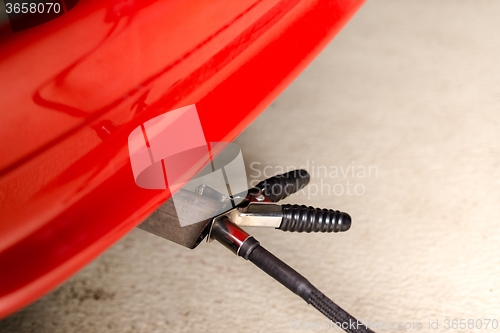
(409, 87)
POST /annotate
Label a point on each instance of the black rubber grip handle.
(279, 187)
(309, 219)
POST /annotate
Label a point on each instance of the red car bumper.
(75, 87)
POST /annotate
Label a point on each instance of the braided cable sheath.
(252, 250)
(335, 313)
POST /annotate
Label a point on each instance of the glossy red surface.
(74, 88)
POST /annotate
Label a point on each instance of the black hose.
(298, 284)
(335, 313)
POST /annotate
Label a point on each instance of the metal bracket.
(255, 214)
(261, 214)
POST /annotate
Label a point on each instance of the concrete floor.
(409, 88)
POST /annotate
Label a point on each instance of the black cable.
(335, 313)
(242, 244)
(298, 284)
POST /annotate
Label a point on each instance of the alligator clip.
(259, 209)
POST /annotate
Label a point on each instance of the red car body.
(73, 89)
